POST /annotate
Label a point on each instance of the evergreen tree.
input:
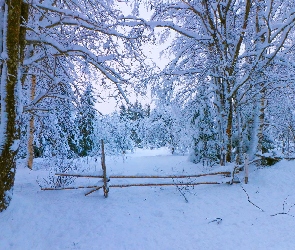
(204, 134)
(85, 121)
(134, 115)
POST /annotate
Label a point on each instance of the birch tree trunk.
(261, 119)
(10, 75)
(261, 95)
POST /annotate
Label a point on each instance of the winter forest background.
(227, 88)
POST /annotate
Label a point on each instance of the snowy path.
(153, 217)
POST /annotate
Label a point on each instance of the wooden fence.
(105, 179)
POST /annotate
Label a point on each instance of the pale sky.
(153, 52)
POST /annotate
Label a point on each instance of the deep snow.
(153, 217)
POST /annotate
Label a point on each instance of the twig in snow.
(248, 197)
(39, 183)
(250, 200)
(217, 220)
(286, 213)
(180, 191)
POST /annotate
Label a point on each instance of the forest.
(226, 90)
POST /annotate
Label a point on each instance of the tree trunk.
(31, 128)
(9, 80)
(238, 158)
(220, 100)
(259, 26)
(254, 131)
(261, 123)
(229, 132)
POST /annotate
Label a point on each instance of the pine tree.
(205, 134)
(85, 120)
(134, 115)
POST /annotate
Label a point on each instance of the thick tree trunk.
(220, 101)
(9, 81)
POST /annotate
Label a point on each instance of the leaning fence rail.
(105, 179)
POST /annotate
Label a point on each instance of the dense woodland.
(227, 90)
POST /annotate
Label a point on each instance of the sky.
(153, 51)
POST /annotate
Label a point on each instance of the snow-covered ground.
(154, 217)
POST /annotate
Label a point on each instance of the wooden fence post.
(246, 168)
(103, 165)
